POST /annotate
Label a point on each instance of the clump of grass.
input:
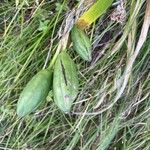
(29, 38)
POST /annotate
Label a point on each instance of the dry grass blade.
(136, 6)
(142, 39)
(123, 81)
(145, 29)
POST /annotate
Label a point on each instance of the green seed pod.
(34, 93)
(65, 82)
(81, 43)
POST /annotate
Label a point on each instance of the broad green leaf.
(95, 11)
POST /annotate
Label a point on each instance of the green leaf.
(43, 25)
(95, 11)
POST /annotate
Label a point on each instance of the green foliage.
(94, 12)
(24, 51)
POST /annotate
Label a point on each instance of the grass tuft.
(112, 109)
